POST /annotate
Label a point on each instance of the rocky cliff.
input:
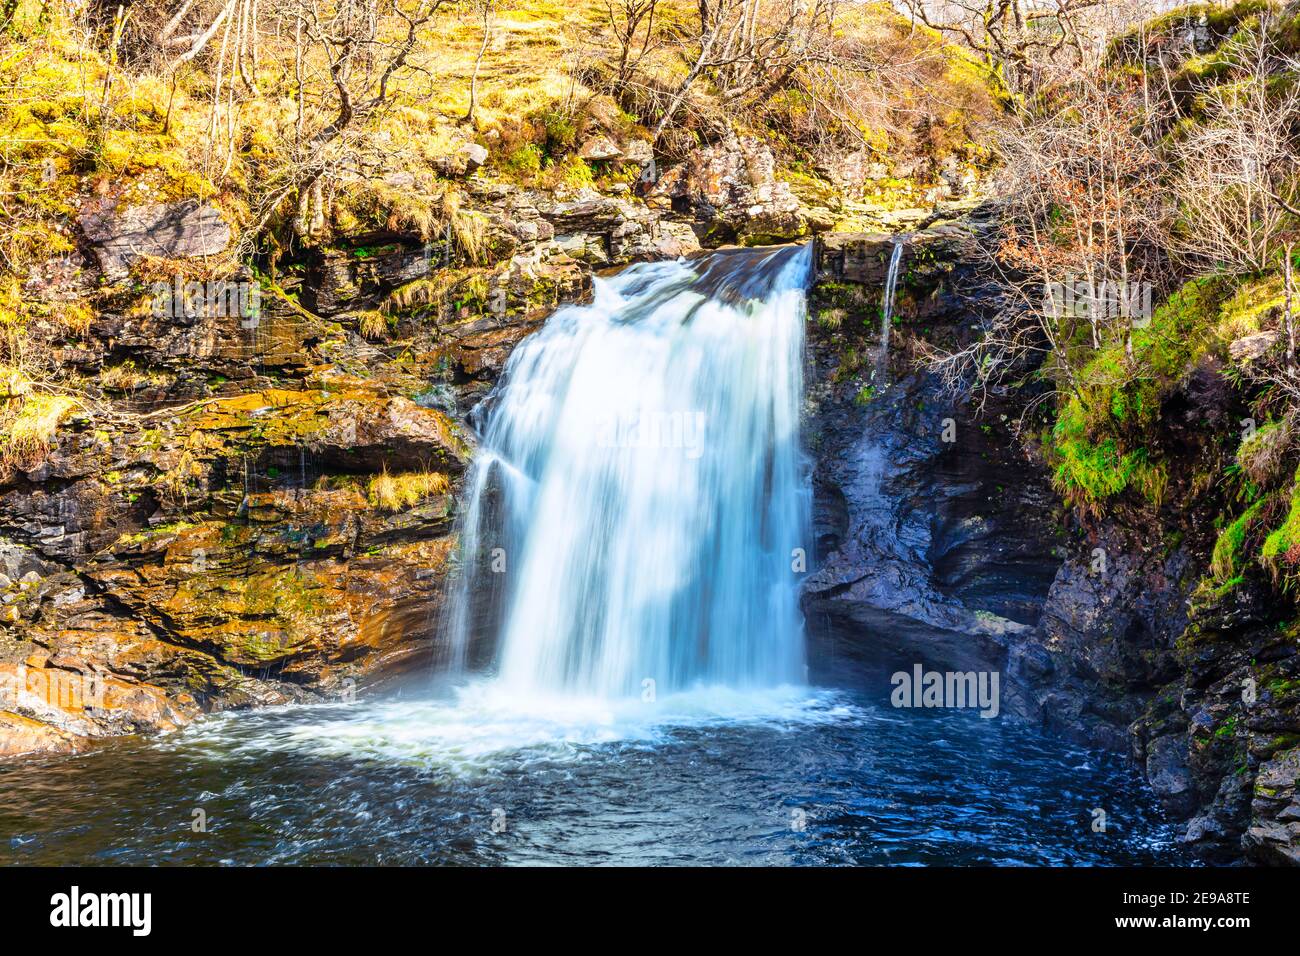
(950, 548)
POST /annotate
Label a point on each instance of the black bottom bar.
(340, 907)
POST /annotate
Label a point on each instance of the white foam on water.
(486, 721)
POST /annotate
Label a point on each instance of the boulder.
(474, 155)
(462, 160)
(23, 735)
(638, 151)
(179, 230)
(675, 239)
(1252, 347)
(1169, 775)
(1274, 834)
(599, 147)
(75, 698)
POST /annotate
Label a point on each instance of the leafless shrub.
(1085, 205)
(1240, 172)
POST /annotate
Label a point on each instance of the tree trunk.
(478, 62)
(1290, 311)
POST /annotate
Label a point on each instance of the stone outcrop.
(231, 553)
(257, 506)
(257, 509)
(935, 542)
(732, 190)
(1110, 621)
(599, 147)
(1274, 833)
(23, 735)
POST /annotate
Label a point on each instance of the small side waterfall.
(638, 512)
(887, 310)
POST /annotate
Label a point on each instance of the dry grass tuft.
(395, 492)
(468, 229)
(373, 325)
(26, 438)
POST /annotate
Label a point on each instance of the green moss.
(1089, 471)
(560, 128)
(146, 534)
(524, 164)
(809, 187)
(1227, 729)
(1281, 550)
(1246, 310)
(851, 296)
(1229, 550)
(1098, 445)
(1122, 396)
(1220, 19)
(1260, 457)
(1282, 742)
(571, 172)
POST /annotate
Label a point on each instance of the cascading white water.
(639, 507)
(887, 309)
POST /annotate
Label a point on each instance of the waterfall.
(636, 518)
(887, 310)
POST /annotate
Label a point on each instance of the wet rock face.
(940, 256)
(1274, 834)
(953, 554)
(1104, 647)
(258, 505)
(1238, 710)
(261, 513)
(234, 554)
(24, 735)
(936, 541)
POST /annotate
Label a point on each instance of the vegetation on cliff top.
(1152, 214)
(305, 124)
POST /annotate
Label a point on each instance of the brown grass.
(405, 490)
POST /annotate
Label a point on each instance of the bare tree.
(362, 60)
(1084, 225)
(1013, 39)
(486, 12)
(750, 50)
(1239, 186)
(632, 22)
